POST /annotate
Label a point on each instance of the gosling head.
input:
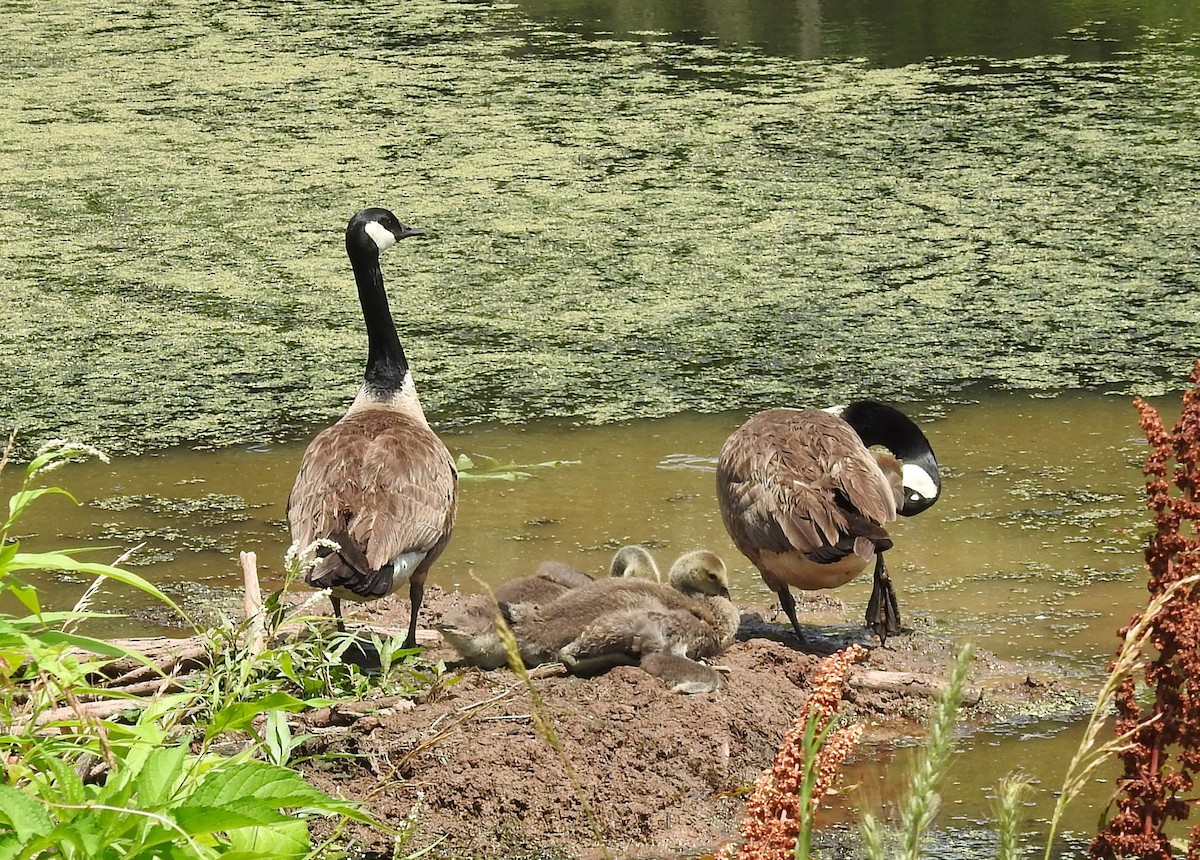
(634, 560)
(700, 573)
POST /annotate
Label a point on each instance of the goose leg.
(883, 610)
(788, 604)
(680, 674)
(594, 665)
(337, 613)
(416, 593)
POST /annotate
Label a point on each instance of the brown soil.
(640, 771)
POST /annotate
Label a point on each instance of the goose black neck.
(879, 424)
(386, 363)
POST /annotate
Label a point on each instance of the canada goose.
(613, 621)
(470, 629)
(379, 483)
(805, 500)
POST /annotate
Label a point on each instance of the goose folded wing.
(409, 495)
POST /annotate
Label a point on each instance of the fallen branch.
(908, 684)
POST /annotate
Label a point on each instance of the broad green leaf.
(66, 779)
(239, 715)
(11, 660)
(22, 813)
(62, 561)
(7, 551)
(28, 596)
(197, 818)
(284, 841)
(58, 617)
(84, 834)
(159, 775)
(10, 845)
(268, 784)
(86, 643)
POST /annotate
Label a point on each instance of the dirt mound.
(625, 767)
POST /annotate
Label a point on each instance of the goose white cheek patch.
(917, 480)
(382, 236)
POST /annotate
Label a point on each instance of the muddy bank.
(638, 771)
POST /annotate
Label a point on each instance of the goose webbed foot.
(883, 610)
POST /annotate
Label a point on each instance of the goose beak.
(407, 232)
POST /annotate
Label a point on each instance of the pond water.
(644, 220)
(617, 227)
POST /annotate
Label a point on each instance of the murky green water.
(644, 220)
(618, 227)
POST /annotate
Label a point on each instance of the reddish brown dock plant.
(1162, 755)
(779, 813)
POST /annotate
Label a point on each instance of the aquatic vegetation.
(628, 227)
(1161, 753)
(481, 467)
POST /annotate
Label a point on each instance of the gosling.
(616, 621)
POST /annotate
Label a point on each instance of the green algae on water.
(615, 227)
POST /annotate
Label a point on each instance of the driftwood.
(908, 684)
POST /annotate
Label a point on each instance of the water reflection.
(883, 32)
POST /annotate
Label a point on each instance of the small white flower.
(60, 451)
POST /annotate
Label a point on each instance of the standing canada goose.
(806, 501)
(379, 483)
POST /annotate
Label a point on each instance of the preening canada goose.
(379, 483)
(805, 499)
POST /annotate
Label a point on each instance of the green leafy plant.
(81, 782)
(41, 633)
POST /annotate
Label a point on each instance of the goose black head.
(379, 228)
(879, 424)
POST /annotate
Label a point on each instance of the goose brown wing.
(382, 479)
(801, 480)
